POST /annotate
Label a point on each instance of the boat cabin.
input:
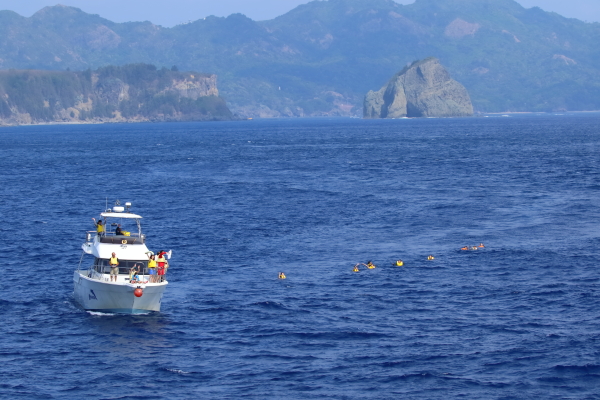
(119, 228)
(102, 266)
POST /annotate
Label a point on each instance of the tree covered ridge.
(322, 57)
(133, 92)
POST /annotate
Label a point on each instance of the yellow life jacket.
(99, 228)
(114, 261)
(151, 263)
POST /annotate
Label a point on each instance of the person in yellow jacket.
(152, 268)
(99, 227)
(114, 267)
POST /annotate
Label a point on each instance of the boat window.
(129, 227)
(102, 265)
(122, 263)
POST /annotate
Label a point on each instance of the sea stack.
(423, 89)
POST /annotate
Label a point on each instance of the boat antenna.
(106, 204)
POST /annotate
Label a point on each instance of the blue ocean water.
(239, 202)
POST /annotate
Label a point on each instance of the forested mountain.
(321, 58)
(129, 93)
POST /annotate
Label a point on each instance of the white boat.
(94, 288)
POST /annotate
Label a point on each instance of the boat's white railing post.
(80, 261)
(139, 226)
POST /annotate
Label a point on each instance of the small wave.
(278, 357)
(212, 309)
(104, 314)
(498, 364)
(323, 335)
(553, 285)
(271, 304)
(549, 293)
(586, 368)
(71, 389)
(99, 313)
(389, 364)
(342, 335)
(178, 371)
(423, 375)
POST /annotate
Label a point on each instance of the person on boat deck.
(99, 227)
(152, 267)
(114, 267)
(134, 273)
(118, 231)
(162, 265)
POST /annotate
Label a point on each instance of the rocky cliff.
(131, 93)
(425, 89)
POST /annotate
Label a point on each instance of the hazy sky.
(172, 12)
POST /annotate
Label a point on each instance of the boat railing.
(111, 238)
(146, 276)
(90, 235)
(100, 272)
(130, 234)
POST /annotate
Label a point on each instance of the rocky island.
(129, 93)
(423, 89)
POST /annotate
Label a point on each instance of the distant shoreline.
(536, 112)
(276, 118)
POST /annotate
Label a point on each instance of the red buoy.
(138, 292)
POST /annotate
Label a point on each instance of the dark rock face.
(425, 89)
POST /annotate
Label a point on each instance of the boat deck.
(124, 279)
(111, 238)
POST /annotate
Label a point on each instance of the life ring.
(124, 241)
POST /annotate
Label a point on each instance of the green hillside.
(134, 92)
(322, 57)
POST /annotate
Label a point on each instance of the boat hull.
(97, 295)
